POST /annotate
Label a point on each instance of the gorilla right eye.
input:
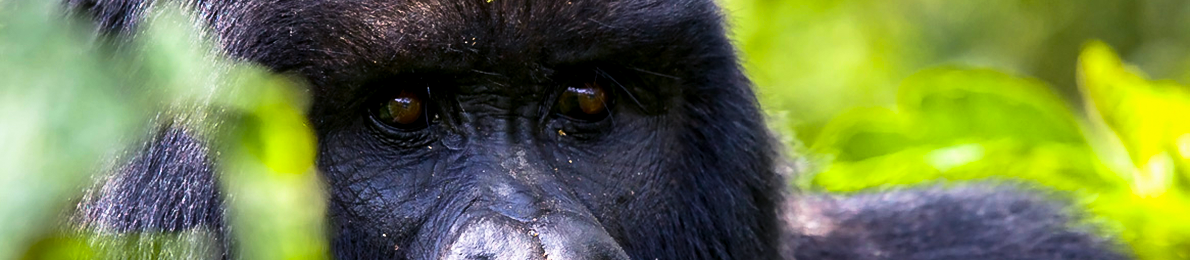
(406, 111)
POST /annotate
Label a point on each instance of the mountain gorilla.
(548, 129)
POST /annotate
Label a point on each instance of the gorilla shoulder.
(966, 222)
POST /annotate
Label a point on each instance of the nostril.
(488, 239)
(596, 252)
(585, 250)
(482, 257)
(575, 237)
(555, 236)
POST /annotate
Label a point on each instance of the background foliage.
(877, 94)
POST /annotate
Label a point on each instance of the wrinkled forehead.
(451, 34)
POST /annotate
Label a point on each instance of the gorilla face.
(519, 129)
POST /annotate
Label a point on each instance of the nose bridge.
(506, 174)
(512, 177)
(522, 211)
(510, 182)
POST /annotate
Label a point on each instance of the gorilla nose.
(490, 240)
(551, 237)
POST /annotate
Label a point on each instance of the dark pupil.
(404, 109)
(587, 102)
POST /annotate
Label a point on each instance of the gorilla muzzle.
(515, 218)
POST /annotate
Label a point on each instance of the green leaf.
(1149, 117)
(863, 133)
(957, 106)
(961, 124)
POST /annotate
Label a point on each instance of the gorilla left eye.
(586, 101)
(406, 110)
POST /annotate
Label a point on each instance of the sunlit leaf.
(278, 200)
(1149, 117)
(184, 245)
(267, 148)
(60, 116)
(70, 106)
(956, 105)
(959, 124)
(863, 133)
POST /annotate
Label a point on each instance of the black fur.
(970, 222)
(682, 169)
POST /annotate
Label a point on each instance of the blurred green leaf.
(60, 116)
(864, 133)
(957, 124)
(194, 244)
(1150, 118)
(279, 203)
(71, 106)
(267, 148)
(965, 105)
(815, 59)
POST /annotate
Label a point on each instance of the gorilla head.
(515, 129)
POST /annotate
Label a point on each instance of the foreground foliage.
(72, 102)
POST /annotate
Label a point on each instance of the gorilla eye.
(585, 102)
(405, 110)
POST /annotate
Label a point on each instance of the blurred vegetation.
(878, 94)
(873, 93)
(73, 102)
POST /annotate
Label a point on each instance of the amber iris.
(587, 102)
(403, 110)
